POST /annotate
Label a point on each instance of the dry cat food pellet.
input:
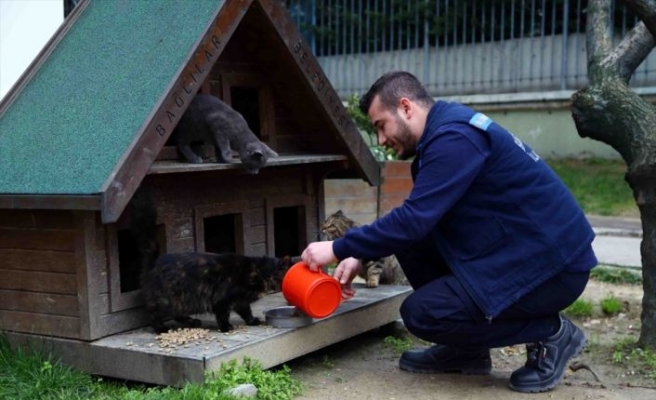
(182, 337)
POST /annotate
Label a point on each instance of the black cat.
(209, 120)
(176, 286)
(179, 285)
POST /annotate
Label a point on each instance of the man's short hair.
(391, 87)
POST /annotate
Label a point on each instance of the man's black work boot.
(443, 359)
(547, 360)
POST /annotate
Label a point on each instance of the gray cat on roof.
(209, 120)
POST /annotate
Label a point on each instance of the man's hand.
(318, 254)
(345, 272)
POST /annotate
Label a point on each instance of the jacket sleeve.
(449, 162)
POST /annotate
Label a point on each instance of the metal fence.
(457, 47)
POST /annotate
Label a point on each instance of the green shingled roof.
(70, 125)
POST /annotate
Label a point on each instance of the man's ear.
(406, 107)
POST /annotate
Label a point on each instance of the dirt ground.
(364, 367)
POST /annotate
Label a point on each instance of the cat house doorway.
(246, 101)
(250, 95)
(220, 233)
(288, 223)
(125, 265)
(221, 227)
(288, 217)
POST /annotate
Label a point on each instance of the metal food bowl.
(287, 317)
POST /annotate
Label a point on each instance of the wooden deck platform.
(136, 355)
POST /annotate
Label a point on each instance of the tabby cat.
(209, 120)
(386, 270)
(176, 286)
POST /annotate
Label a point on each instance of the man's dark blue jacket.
(502, 220)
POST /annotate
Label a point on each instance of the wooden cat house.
(87, 125)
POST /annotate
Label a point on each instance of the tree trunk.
(609, 111)
(642, 179)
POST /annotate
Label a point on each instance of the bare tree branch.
(630, 52)
(645, 10)
(598, 33)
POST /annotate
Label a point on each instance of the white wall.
(25, 27)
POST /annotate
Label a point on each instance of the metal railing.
(456, 47)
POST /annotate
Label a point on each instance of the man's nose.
(381, 139)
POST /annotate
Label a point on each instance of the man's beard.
(405, 139)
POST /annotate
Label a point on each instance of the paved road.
(617, 241)
(618, 250)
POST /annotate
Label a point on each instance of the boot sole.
(456, 369)
(555, 380)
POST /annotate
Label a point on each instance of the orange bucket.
(315, 293)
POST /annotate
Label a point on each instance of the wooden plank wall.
(38, 272)
(54, 276)
(364, 203)
(54, 265)
(183, 202)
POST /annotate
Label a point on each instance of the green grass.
(616, 275)
(634, 358)
(598, 185)
(327, 362)
(610, 305)
(36, 375)
(580, 308)
(398, 344)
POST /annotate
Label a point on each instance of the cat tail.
(143, 226)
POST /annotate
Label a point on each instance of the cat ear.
(268, 151)
(339, 212)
